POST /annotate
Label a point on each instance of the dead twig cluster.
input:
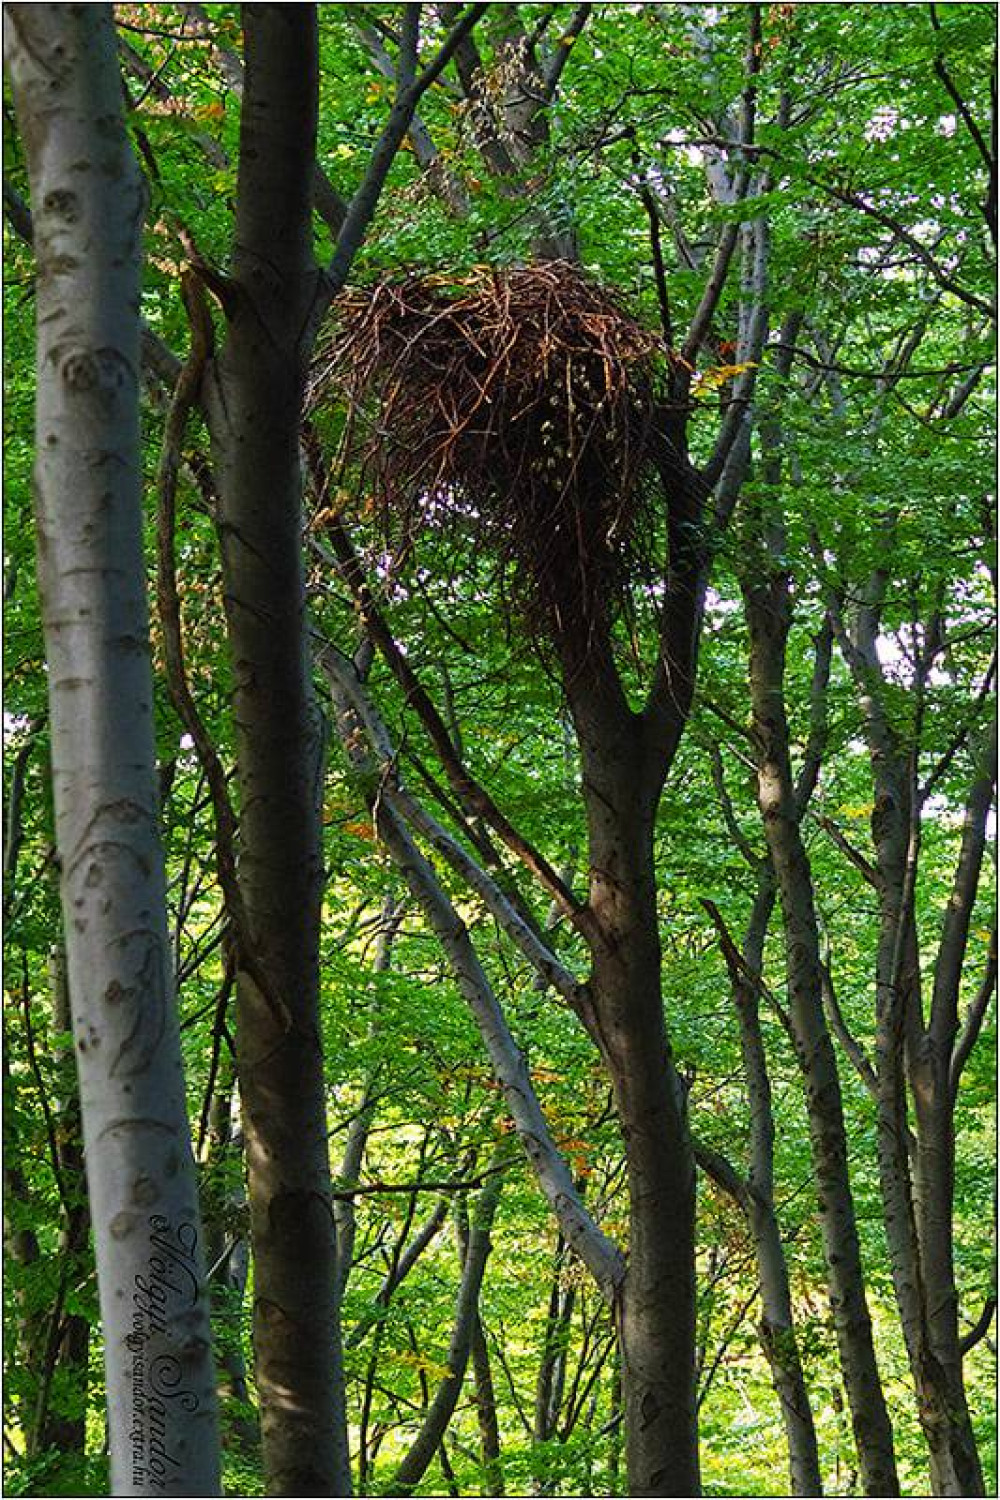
(515, 411)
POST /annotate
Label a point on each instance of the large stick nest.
(516, 411)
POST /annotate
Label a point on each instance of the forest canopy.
(500, 749)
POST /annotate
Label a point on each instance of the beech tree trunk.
(655, 1310)
(442, 1407)
(768, 615)
(253, 395)
(916, 1167)
(65, 1370)
(755, 1195)
(88, 201)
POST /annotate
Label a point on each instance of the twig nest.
(514, 409)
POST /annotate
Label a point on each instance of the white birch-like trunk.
(88, 200)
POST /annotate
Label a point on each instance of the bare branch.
(980, 1328)
(538, 954)
(363, 203)
(553, 70)
(857, 859)
(736, 833)
(722, 1172)
(473, 797)
(739, 970)
(838, 1025)
(973, 1024)
(598, 1253)
(946, 282)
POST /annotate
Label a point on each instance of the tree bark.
(755, 1196)
(917, 1169)
(624, 759)
(253, 396)
(441, 1409)
(88, 202)
(655, 1311)
(956, 1468)
(486, 1411)
(622, 1008)
(768, 615)
(228, 1258)
(551, 1370)
(57, 1428)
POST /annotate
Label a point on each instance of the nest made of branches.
(516, 410)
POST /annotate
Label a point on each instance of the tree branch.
(553, 70)
(538, 954)
(473, 797)
(598, 1253)
(739, 969)
(363, 203)
(980, 1328)
(946, 282)
(838, 1025)
(857, 859)
(973, 1024)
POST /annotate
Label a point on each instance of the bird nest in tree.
(515, 410)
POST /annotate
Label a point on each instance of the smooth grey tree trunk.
(88, 201)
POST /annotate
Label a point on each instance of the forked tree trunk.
(475, 1253)
(768, 615)
(917, 1168)
(88, 201)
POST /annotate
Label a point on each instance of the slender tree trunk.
(253, 395)
(486, 1412)
(777, 1327)
(441, 1409)
(70, 1354)
(484, 1393)
(228, 1259)
(88, 201)
(551, 1370)
(916, 1168)
(21, 1249)
(768, 614)
(349, 1171)
(955, 1465)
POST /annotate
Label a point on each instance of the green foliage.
(880, 478)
